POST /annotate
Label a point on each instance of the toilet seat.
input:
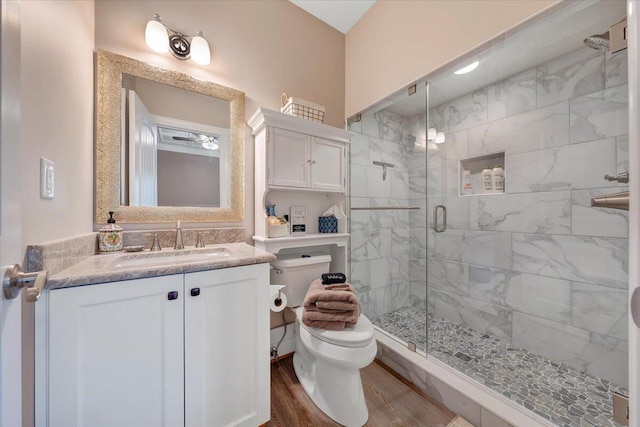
(358, 336)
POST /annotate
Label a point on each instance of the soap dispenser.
(110, 239)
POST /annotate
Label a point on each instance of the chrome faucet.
(155, 246)
(179, 244)
(200, 240)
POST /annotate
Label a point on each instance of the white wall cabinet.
(184, 350)
(299, 160)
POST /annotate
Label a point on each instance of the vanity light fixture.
(163, 39)
(439, 138)
(469, 68)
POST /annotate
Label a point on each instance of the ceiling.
(340, 14)
(559, 32)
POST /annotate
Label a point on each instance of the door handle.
(15, 279)
(436, 228)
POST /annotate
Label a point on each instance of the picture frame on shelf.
(298, 220)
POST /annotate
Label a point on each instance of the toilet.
(327, 363)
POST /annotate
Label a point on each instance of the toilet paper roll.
(277, 298)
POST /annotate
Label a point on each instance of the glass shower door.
(387, 216)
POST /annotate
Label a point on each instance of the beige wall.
(398, 42)
(57, 123)
(263, 48)
(57, 117)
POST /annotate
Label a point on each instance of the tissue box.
(327, 224)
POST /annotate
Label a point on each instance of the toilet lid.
(358, 336)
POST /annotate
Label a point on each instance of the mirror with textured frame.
(115, 186)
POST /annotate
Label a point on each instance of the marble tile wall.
(537, 266)
(381, 242)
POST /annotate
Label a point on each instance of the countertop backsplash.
(58, 255)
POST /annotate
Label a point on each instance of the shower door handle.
(436, 227)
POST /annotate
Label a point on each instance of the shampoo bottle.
(487, 181)
(497, 179)
(467, 188)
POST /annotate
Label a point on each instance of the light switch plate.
(46, 178)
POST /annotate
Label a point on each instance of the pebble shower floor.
(555, 391)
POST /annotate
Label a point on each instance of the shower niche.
(483, 175)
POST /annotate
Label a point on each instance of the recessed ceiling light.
(469, 68)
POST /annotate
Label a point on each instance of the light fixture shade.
(156, 35)
(431, 134)
(439, 138)
(200, 52)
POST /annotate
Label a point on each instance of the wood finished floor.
(392, 401)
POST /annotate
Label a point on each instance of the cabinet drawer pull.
(195, 292)
(172, 295)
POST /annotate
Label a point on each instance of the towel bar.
(386, 208)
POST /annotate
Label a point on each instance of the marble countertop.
(104, 268)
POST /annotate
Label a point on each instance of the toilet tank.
(296, 272)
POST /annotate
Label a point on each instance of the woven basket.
(302, 108)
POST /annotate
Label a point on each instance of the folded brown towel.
(312, 313)
(317, 319)
(330, 294)
(316, 316)
(321, 324)
(333, 307)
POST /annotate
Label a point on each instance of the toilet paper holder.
(278, 298)
(278, 271)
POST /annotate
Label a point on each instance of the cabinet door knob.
(172, 295)
(195, 292)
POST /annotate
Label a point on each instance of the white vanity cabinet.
(300, 160)
(227, 373)
(115, 354)
(181, 350)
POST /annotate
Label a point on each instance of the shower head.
(598, 41)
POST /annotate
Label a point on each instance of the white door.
(633, 21)
(10, 223)
(227, 347)
(328, 165)
(288, 158)
(143, 154)
(116, 354)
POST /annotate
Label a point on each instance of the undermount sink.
(169, 257)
